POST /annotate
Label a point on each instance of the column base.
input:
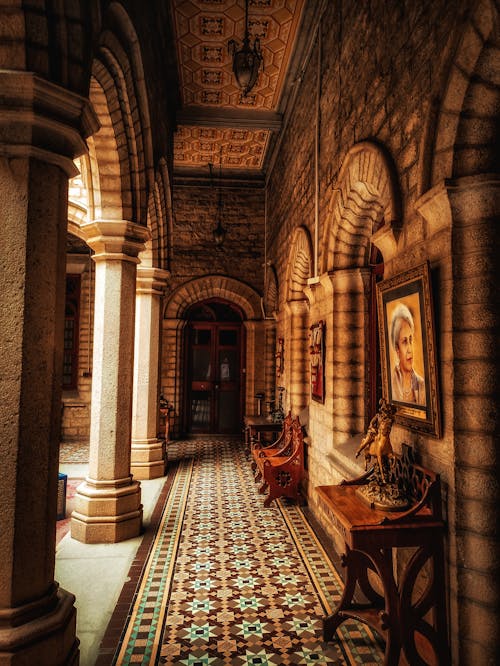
(148, 459)
(46, 640)
(107, 511)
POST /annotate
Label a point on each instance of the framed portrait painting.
(317, 354)
(280, 357)
(408, 349)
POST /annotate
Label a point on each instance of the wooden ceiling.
(214, 112)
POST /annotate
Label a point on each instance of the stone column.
(172, 368)
(148, 459)
(469, 331)
(298, 355)
(41, 129)
(250, 369)
(270, 360)
(108, 503)
(257, 354)
(350, 329)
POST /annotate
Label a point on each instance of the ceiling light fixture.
(219, 232)
(246, 59)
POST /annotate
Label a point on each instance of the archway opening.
(214, 368)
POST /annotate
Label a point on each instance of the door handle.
(216, 386)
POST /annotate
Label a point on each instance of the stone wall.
(194, 251)
(75, 425)
(391, 102)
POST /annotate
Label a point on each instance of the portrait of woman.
(408, 349)
(406, 384)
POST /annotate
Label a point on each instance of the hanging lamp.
(247, 59)
(219, 233)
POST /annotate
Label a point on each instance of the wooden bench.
(272, 448)
(282, 472)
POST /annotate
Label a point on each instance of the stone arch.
(365, 209)
(83, 190)
(365, 198)
(174, 322)
(58, 38)
(466, 138)
(299, 270)
(119, 94)
(160, 218)
(464, 174)
(211, 286)
(271, 292)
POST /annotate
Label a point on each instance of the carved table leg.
(434, 649)
(356, 564)
(390, 616)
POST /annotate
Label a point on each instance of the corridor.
(219, 579)
(221, 210)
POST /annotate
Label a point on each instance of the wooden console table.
(255, 425)
(410, 619)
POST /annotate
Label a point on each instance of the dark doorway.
(214, 368)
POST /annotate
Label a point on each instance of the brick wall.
(75, 425)
(194, 251)
(392, 98)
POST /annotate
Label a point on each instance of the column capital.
(250, 324)
(297, 307)
(387, 240)
(270, 323)
(347, 280)
(474, 195)
(319, 287)
(439, 205)
(115, 239)
(43, 120)
(151, 280)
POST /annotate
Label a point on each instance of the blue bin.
(61, 496)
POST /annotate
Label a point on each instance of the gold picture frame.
(408, 349)
(317, 361)
(279, 356)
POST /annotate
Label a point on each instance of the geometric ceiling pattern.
(241, 148)
(209, 94)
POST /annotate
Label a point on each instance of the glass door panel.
(214, 385)
(200, 402)
(228, 379)
(228, 411)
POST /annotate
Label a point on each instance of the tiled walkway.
(226, 581)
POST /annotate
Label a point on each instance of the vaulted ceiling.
(214, 112)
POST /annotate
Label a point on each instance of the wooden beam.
(234, 118)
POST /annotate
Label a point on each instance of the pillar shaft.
(270, 359)
(296, 365)
(172, 350)
(107, 504)
(350, 330)
(148, 459)
(41, 130)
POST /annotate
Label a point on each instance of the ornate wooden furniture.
(282, 473)
(411, 613)
(272, 448)
(255, 425)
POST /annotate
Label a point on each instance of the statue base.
(383, 496)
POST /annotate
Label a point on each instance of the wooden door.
(214, 378)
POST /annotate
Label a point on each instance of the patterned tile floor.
(74, 452)
(229, 582)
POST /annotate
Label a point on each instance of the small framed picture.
(280, 357)
(408, 349)
(317, 354)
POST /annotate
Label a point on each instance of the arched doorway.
(214, 368)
